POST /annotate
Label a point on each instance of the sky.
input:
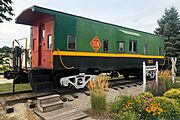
(137, 14)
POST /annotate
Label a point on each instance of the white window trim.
(145, 49)
(49, 47)
(68, 42)
(119, 46)
(132, 46)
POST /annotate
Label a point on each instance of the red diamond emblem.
(95, 43)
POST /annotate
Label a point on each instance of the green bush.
(145, 95)
(171, 109)
(119, 103)
(146, 107)
(127, 115)
(127, 107)
(173, 94)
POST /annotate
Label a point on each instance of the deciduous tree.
(6, 10)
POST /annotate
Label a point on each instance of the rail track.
(9, 99)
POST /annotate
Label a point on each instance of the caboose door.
(41, 37)
(45, 44)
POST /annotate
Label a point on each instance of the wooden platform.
(66, 113)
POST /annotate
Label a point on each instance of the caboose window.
(42, 31)
(121, 46)
(145, 49)
(50, 41)
(71, 42)
(33, 44)
(105, 45)
(133, 46)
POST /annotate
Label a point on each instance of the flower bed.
(145, 106)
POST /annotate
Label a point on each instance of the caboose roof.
(30, 15)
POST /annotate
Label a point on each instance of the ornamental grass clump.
(166, 77)
(98, 90)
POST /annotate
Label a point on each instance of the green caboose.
(67, 45)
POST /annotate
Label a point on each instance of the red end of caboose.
(42, 33)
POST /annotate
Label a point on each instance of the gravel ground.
(82, 103)
(20, 113)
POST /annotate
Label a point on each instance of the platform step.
(50, 106)
(49, 103)
(48, 99)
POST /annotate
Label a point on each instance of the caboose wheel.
(56, 80)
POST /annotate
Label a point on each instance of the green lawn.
(19, 87)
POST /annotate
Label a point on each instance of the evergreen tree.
(169, 27)
(5, 10)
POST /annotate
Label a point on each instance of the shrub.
(119, 103)
(127, 115)
(127, 107)
(145, 95)
(164, 84)
(173, 94)
(156, 89)
(170, 107)
(98, 90)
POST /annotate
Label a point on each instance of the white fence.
(151, 71)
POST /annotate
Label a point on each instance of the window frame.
(42, 27)
(33, 44)
(68, 42)
(49, 47)
(146, 49)
(132, 46)
(104, 45)
(123, 46)
(159, 50)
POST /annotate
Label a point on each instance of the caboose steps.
(50, 106)
(49, 103)
(48, 99)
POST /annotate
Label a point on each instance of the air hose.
(62, 63)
